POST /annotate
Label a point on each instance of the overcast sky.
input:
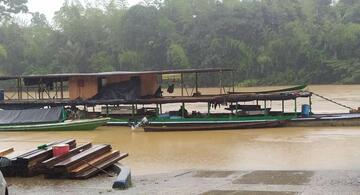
(48, 7)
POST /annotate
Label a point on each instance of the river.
(270, 149)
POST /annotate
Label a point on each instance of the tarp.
(29, 116)
(127, 90)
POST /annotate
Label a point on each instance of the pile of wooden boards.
(80, 162)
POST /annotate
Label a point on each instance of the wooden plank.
(93, 162)
(78, 159)
(34, 160)
(35, 150)
(6, 151)
(104, 165)
(28, 164)
(57, 159)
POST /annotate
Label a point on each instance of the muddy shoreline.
(204, 182)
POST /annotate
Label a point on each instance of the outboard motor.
(143, 121)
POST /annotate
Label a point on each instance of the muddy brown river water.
(269, 149)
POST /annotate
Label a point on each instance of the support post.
(295, 106)
(160, 108)
(220, 81)
(265, 104)
(310, 104)
(196, 83)
(107, 110)
(61, 88)
(18, 87)
(183, 110)
(209, 106)
(282, 106)
(182, 84)
(133, 110)
(236, 108)
(233, 81)
(39, 90)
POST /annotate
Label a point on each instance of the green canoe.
(68, 125)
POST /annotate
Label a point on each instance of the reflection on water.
(280, 148)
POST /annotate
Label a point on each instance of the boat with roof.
(128, 96)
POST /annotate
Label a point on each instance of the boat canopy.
(32, 116)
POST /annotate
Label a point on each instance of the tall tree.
(9, 7)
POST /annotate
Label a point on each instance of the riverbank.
(206, 182)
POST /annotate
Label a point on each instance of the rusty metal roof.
(65, 76)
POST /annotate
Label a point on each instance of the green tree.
(177, 57)
(9, 7)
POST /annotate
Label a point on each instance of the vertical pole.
(220, 81)
(236, 108)
(183, 110)
(61, 88)
(182, 84)
(295, 106)
(310, 103)
(264, 103)
(56, 90)
(133, 110)
(39, 90)
(21, 89)
(257, 102)
(282, 106)
(209, 105)
(160, 108)
(18, 87)
(233, 81)
(196, 83)
(107, 110)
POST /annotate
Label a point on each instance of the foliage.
(266, 41)
(9, 7)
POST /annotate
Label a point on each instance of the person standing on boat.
(181, 110)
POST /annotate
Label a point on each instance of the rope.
(333, 101)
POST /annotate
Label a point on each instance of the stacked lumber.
(80, 162)
(28, 164)
(85, 164)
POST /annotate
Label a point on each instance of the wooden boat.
(223, 126)
(296, 88)
(68, 125)
(323, 120)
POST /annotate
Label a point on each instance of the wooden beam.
(6, 151)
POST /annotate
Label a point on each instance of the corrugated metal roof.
(118, 73)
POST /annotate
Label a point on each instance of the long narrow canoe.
(296, 88)
(73, 125)
(206, 127)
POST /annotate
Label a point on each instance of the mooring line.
(333, 101)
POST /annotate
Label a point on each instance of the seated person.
(181, 110)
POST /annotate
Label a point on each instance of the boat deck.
(162, 100)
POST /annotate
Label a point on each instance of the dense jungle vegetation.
(266, 41)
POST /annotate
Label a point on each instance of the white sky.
(48, 7)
